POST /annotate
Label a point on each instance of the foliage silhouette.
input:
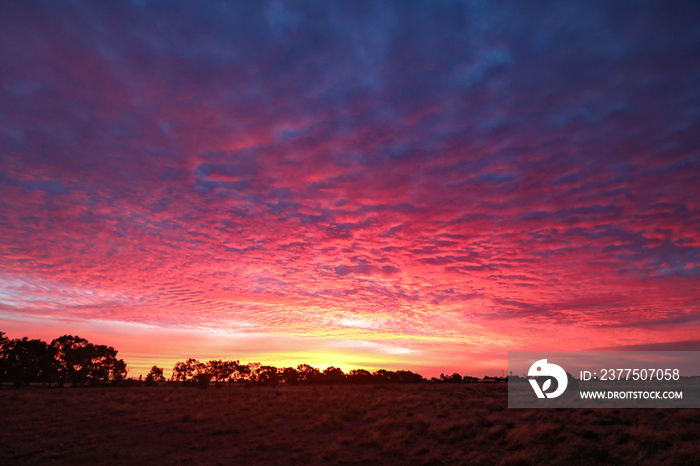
(154, 376)
(73, 360)
(289, 376)
(454, 378)
(192, 372)
(66, 359)
(26, 361)
(307, 374)
(267, 375)
(360, 376)
(333, 375)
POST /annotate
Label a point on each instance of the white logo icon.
(543, 368)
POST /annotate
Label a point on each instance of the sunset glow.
(420, 186)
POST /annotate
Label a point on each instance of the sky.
(394, 184)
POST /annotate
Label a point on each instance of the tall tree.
(79, 361)
(25, 361)
(233, 369)
(119, 370)
(185, 371)
(243, 372)
(219, 370)
(101, 363)
(3, 340)
(72, 359)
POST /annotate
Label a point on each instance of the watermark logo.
(603, 379)
(544, 369)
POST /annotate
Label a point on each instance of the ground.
(385, 424)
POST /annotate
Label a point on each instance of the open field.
(389, 424)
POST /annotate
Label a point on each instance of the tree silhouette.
(360, 376)
(221, 371)
(154, 376)
(333, 375)
(308, 374)
(25, 361)
(185, 371)
(192, 371)
(242, 372)
(290, 376)
(454, 378)
(119, 370)
(385, 376)
(74, 360)
(216, 370)
(232, 371)
(66, 359)
(251, 371)
(80, 362)
(267, 375)
(202, 379)
(3, 340)
(409, 377)
(71, 358)
(103, 365)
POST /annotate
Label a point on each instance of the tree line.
(194, 372)
(75, 361)
(67, 359)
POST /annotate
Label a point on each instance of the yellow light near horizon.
(140, 365)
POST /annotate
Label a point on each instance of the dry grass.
(414, 424)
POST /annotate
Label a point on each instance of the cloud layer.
(436, 178)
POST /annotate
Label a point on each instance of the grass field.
(389, 424)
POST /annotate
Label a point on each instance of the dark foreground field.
(412, 424)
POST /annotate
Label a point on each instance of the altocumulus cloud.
(302, 167)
